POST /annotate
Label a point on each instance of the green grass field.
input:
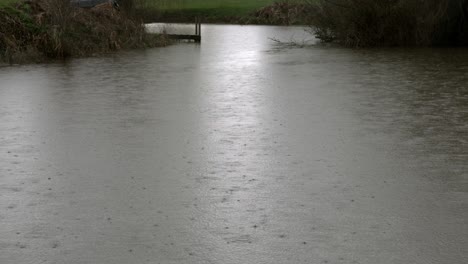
(188, 10)
(209, 4)
(221, 7)
(239, 5)
(204, 7)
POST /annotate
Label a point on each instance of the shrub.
(363, 23)
(56, 29)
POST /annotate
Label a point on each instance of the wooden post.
(197, 26)
(197, 30)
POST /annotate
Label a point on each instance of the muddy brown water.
(238, 150)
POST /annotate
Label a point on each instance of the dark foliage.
(364, 23)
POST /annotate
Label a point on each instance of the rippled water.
(238, 150)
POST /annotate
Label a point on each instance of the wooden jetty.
(94, 3)
(196, 38)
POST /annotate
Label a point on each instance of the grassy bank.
(224, 11)
(4, 3)
(369, 23)
(207, 9)
(52, 29)
(227, 7)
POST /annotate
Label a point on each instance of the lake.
(239, 150)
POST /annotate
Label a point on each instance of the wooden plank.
(195, 38)
(89, 3)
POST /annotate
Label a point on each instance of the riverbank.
(40, 30)
(259, 13)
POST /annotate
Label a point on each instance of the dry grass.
(55, 29)
(281, 13)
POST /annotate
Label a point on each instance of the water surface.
(238, 150)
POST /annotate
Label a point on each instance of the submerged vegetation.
(52, 29)
(367, 23)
